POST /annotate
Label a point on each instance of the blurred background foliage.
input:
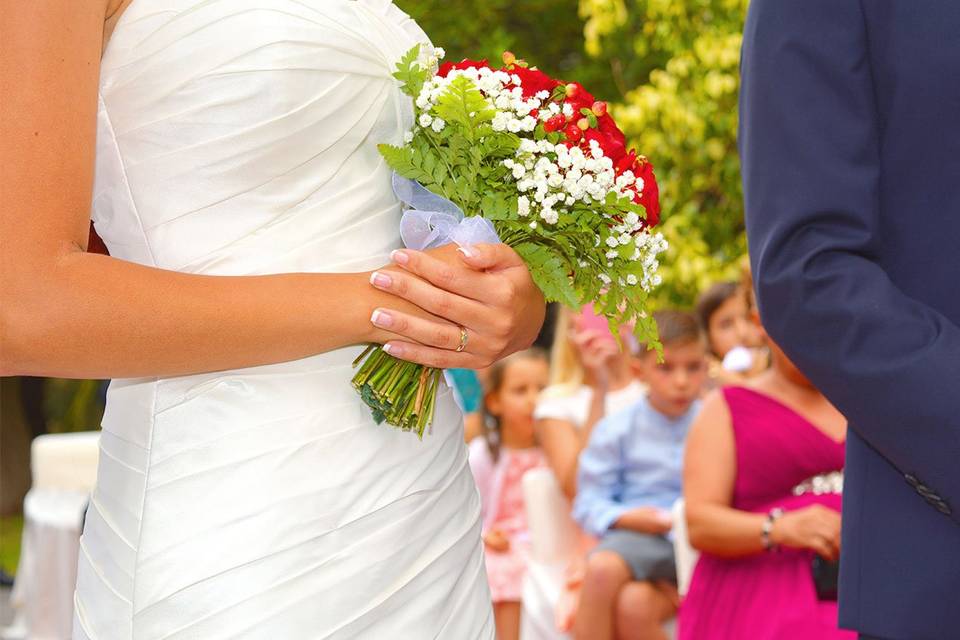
(669, 68)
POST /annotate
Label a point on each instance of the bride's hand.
(486, 289)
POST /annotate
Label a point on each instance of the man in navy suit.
(850, 141)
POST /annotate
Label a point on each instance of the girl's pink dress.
(768, 596)
(501, 494)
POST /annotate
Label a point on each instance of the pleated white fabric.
(239, 137)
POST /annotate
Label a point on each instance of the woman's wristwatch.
(772, 517)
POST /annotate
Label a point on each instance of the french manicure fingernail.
(400, 257)
(393, 349)
(381, 319)
(465, 251)
(380, 280)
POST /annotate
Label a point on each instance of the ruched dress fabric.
(238, 137)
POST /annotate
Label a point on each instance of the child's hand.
(645, 520)
(596, 348)
(496, 541)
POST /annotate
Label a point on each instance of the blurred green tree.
(685, 117)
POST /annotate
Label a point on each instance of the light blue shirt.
(634, 459)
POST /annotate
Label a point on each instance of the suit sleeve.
(810, 146)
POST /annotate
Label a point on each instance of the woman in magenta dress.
(761, 484)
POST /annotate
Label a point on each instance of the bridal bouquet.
(533, 162)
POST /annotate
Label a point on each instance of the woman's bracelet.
(765, 532)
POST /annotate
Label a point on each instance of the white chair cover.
(64, 470)
(686, 556)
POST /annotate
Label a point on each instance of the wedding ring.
(463, 339)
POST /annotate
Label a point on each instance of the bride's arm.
(64, 312)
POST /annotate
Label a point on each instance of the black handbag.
(826, 574)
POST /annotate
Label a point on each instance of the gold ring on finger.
(463, 339)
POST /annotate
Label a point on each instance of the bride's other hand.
(486, 289)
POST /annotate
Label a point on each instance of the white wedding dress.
(238, 137)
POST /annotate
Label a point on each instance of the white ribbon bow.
(430, 221)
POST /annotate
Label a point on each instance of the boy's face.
(677, 382)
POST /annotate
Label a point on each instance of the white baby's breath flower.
(438, 125)
(425, 120)
(612, 242)
(631, 279)
(523, 206)
(407, 137)
(604, 278)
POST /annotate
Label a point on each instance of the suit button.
(911, 479)
(926, 491)
(943, 508)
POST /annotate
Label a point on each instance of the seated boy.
(629, 477)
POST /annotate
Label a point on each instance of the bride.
(228, 148)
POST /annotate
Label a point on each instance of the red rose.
(610, 138)
(650, 197)
(533, 80)
(446, 67)
(626, 162)
(611, 147)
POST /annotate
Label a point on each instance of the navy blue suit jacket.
(850, 142)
